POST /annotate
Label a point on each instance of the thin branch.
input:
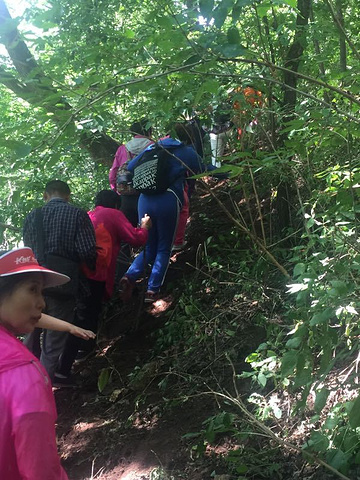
(270, 434)
(341, 29)
(115, 88)
(272, 66)
(192, 44)
(278, 82)
(9, 227)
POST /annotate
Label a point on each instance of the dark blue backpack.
(152, 172)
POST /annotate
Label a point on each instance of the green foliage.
(220, 423)
(264, 364)
(104, 378)
(101, 65)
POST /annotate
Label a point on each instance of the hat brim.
(51, 278)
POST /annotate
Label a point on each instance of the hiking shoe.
(61, 381)
(150, 297)
(126, 289)
(83, 355)
(178, 248)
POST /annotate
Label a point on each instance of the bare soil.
(133, 430)
(129, 431)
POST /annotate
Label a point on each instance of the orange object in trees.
(251, 96)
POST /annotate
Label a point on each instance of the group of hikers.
(52, 290)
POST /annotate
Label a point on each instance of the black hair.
(108, 199)
(184, 133)
(57, 187)
(140, 128)
(9, 283)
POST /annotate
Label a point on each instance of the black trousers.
(86, 316)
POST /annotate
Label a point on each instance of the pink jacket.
(127, 152)
(27, 421)
(121, 231)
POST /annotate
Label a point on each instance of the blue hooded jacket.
(177, 170)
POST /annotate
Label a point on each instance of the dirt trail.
(129, 432)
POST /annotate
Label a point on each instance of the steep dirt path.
(129, 432)
(102, 436)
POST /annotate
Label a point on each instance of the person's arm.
(35, 447)
(85, 242)
(33, 413)
(135, 237)
(28, 231)
(52, 323)
(119, 159)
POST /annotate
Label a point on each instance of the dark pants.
(87, 316)
(129, 207)
(163, 210)
(53, 342)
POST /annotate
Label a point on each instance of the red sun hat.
(22, 260)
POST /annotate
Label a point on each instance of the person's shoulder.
(102, 213)
(115, 216)
(28, 387)
(74, 208)
(188, 152)
(31, 214)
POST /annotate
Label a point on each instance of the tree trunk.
(292, 62)
(342, 39)
(294, 54)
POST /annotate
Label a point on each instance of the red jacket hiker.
(111, 230)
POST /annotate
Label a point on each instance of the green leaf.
(210, 86)
(233, 50)
(310, 222)
(340, 288)
(263, 8)
(233, 35)
(331, 422)
(262, 379)
(294, 342)
(320, 400)
(322, 317)
(325, 358)
(129, 33)
(164, 21)
(193, 59)
(291, 3)
(318, 442)
(288, 363)
(231, 333)
(241, 468)
(104, 378)
(220, 13)
(236, 11)
(337, 459)
(354, 416)
(206, 7)
(299, 269)
(303, 377)
(22, 150)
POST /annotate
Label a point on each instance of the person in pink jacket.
(27, 421)
(120, 231)
(129, 150)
